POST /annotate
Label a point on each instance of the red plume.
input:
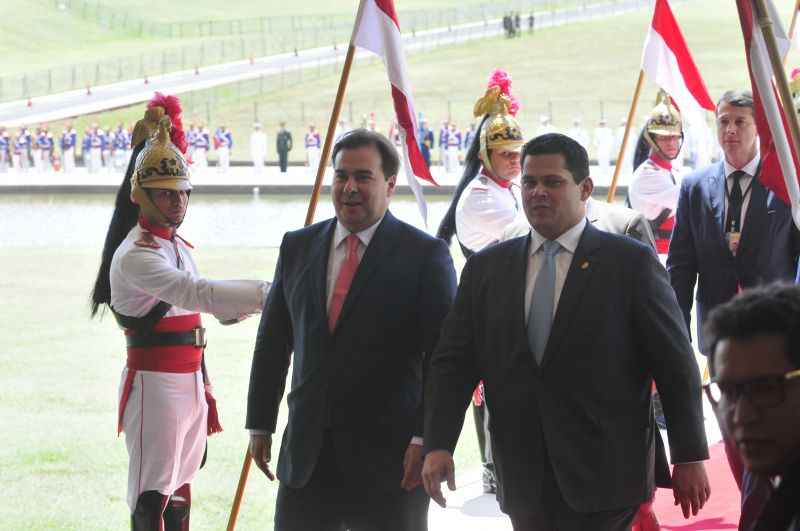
(501, 78)
(172, 107)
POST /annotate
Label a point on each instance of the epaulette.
(147, 240)
(481, 184)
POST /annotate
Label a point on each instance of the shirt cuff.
(417, 440)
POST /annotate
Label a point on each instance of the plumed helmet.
(159, 165)
(500, 130)
(664, 120)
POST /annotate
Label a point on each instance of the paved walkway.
(106, 97)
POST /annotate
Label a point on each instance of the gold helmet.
(159, 165)
(664, 120)
(500, 130)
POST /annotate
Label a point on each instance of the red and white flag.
(779, 162)
(377, 29)
(666, 61)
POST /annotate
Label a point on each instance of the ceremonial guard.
(96, 147)
(484, 204)
(223, 142)
(201, 144)
(21, 153)
(313, 143)
(191, 139)
(443, 133)
(453, 148)
(258, 149)
(578, 133)
(469, 135)
(603, 144)
(5, 156)
(69, 139)
(45, 143)
(654, 190)
(425, 139)
(283, 145)
(121, 141)
(149, 281)
(106, 142)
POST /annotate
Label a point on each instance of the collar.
(365, 236)
(660, 161)
(749, 168)
(161, 231)
(568, 240)
(502, 183)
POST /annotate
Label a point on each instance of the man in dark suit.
(730, 233)
(567, 340)
(283, 144)
(359, 299)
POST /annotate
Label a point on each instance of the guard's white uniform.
(164, 419)
(258, 151)
(483, 212)
(603, 142)
(653, 188)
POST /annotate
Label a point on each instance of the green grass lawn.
(61, 463)
(578, 70)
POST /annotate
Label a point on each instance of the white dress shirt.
(569, 242)
(744, 182)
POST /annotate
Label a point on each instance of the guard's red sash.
(662, 243)
(174, 359)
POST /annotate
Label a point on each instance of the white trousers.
(314, 155)
(95, 160)
(69, 159)
(165, 424)
(451, 159)
(199, 159)
(224, 154)
(258, 164)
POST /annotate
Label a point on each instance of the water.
(73, 220)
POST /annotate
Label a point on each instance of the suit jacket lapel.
(318, 267)
(755, 217)
(717, 199)
(515, 276)
(382, 244)
(580, 271)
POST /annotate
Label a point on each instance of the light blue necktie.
(540, 314)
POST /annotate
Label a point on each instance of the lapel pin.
(585, 265)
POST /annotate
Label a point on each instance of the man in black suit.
(730, 233)
(567, 341)
(283, 144)
(359, 299)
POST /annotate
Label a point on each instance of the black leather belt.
(196, 337)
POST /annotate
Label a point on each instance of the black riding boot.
(176, 516)
(148, 515)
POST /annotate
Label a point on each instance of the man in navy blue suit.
(730, 233)
(359, 299)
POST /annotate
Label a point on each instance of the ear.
(587, 186)
(391, 182)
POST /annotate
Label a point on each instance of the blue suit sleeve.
(682, 256)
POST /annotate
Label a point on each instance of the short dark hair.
(576, 160)
(390, 161)
(769, 310)
(737, 98)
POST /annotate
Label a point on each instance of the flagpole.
(312, 207)
(781, 80)
(792, 29)
(612, 190)
(326, 149)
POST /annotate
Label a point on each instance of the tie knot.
(551, 247)
(352, 243)
(737, 176)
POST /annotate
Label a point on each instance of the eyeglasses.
(767, 391)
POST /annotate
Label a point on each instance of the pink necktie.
(343, 281)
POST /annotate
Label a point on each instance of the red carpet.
(720, 512)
